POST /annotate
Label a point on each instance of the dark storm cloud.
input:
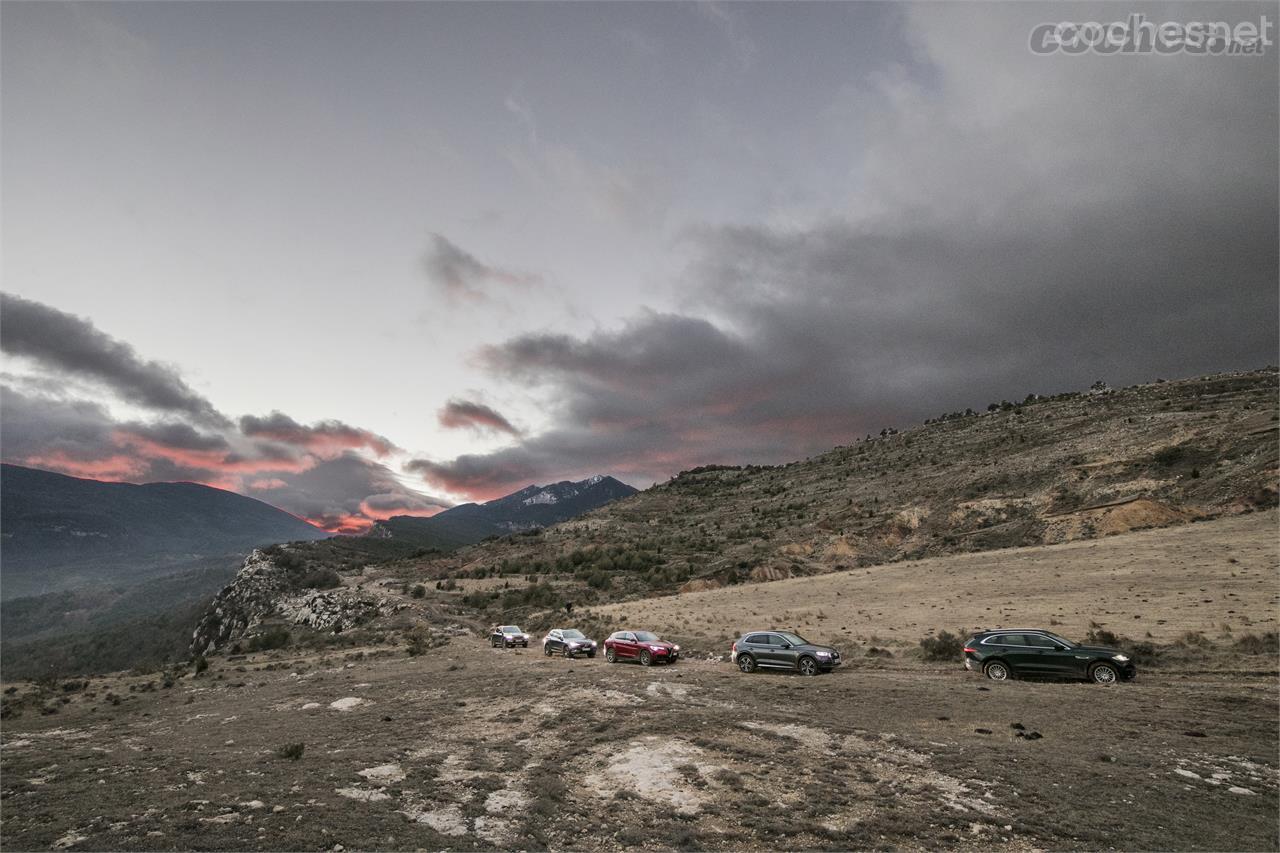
(467, 414)
(72, 345)
(461, 274)
(333, 494)
(325, 437)
(1018, 225)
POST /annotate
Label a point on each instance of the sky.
(368, 259)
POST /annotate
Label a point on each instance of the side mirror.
(786, 645)
(1059, 648)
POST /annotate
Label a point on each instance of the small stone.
(983, 731)
(1017, 726)
(1236, 789)
(1194, 733)
(277, 809)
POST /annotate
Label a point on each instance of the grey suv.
(782, 650)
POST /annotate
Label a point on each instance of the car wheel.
(1103, 673)
(546, 650)
(524, 645)
(645, 658)
(567, 653)
(807, 666)
(610, 656)
(493, 643)
(997, 671)
(746, 663)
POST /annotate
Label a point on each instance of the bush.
(1252, 644)
(419, 591)
(272, 638)
(945, 646)
(291, 751)
(320, 579)
(201, 664)
(1099, 636)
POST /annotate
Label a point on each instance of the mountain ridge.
(61, 532)
(528, 508)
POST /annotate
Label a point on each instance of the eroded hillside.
(1047, 471)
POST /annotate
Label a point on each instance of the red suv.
(643, 646)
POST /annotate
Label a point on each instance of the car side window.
(758, 639)
(631, 638)
(1037, 641)
(1008, 640)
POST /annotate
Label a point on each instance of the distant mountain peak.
(525, 509)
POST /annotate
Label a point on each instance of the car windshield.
(647, 637)
(509, 629)
(793, 639)
(571, 634)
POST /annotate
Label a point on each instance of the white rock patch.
(364, 795)
(383, 774)
(346, 703)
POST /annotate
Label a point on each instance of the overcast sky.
(363, 259)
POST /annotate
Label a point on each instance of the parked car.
(1014, 653)
(782, 650)
(507, 636)
(644, 646)
(568, 642)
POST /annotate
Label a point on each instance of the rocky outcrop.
(264, 590)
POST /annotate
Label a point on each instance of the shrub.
(320, 579)
(1252, 644)
(272, 638)
(944, 646)
(291, 751)
(419, 591)
(1169, 456)
(1100, 636)
(201, 664)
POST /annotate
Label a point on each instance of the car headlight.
(675, 648)
(1121, 658)
(656, 648)
(823, 654)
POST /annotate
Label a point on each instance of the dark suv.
(1016, 652)
(782, 650)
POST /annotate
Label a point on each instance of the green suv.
(1017, 652)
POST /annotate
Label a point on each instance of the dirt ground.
(1220, 578)
(467, 747)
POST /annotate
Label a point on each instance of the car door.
(1050, 659)
(757, 645)
(784, 652)
(1014, 650)
(626, 646)
(554, 643)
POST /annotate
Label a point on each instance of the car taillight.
(970, 651)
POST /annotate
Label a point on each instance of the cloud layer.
(1011, 224)
(319, 472)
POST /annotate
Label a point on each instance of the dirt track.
(470, 747)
